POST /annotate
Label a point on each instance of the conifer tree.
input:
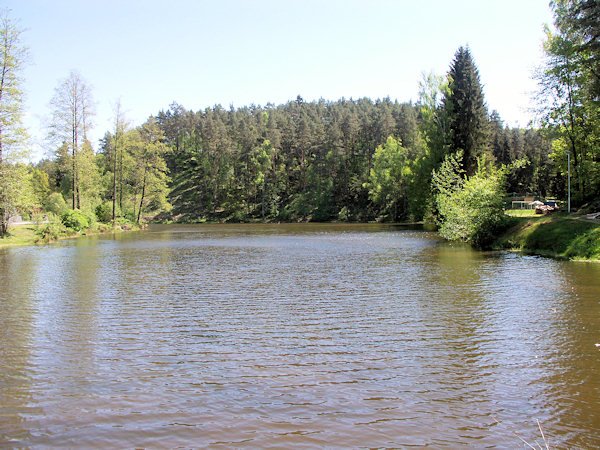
(466, 110)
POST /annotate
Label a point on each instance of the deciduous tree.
(73, 108)
(13, 136)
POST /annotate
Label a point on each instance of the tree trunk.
(3, 214)
(3, 219)
(74, 182)
(114, 196)
(121, 181)
(75, 177)
(142, 198)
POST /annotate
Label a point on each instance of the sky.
(150, 53)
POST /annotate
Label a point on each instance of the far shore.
(559, 236)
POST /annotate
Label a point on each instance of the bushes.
(75, 220)
(469, 209)
(104, 212)
(50, 231)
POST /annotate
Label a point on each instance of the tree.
(433, 138)
(117, 144)
(40, 183)
(569, 93)
(581, 18)
(89, 177)
(387, 178)
(151, 168)
(13, 136)
(73, 108)
(260, 164)
(466, 110)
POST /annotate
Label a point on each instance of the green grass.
(26, 234)
(19, 235)
(555, 235)
(520, 212)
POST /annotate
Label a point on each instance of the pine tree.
(466, 110)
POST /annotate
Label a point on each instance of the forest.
(445, 159)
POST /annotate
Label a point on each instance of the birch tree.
(72, 110)
(13, 136)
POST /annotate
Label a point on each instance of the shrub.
(75, 220)
(91, 218)
(50, 230)
(124, 223)
(104, 212)
(470, 209)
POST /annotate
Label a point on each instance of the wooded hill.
(349, 160)
(320, 161)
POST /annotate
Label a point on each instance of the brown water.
(289, 335)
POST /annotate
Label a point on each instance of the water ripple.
(294, 335)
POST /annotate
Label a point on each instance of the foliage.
(151, 169)
(51, 229)
(16, 190)
(104, 212)
(388, 177)
(470, 209)
(55, 203)
(569, 91)
(75, 220)
(468, 123)
(296, 161)
(13, 56)
(40, 183)
(351, 160)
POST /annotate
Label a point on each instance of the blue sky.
(150, 53)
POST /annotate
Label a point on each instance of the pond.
(289, 335)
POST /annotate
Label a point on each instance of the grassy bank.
(19, 235)
(558, 236)
(33, 235)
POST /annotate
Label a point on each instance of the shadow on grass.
(564, 237)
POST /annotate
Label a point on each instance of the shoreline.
(570, 238)
(24, 234)
(552, 236)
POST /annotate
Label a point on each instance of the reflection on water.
(321, 335)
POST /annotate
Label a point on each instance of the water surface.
(286, 335)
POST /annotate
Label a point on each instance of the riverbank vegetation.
(49, 228)
(445, 159)
(557, 236)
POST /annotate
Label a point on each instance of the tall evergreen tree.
(466, 110)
